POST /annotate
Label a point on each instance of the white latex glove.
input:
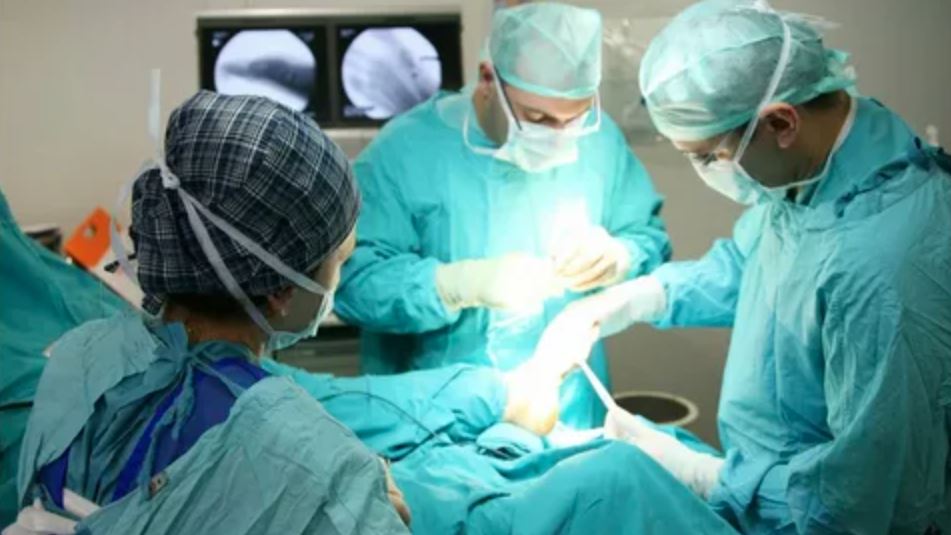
(618, 307)
(588, 257)
(514, 282)
(567, 340)
(698, 471)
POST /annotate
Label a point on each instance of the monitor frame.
(328, 19)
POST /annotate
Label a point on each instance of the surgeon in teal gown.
(835, 410)
(468, 196)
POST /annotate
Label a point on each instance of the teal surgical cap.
(709, 69)
(548, 49)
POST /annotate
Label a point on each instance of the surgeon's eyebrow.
(545, 115)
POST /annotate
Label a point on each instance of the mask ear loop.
(505, 98)
(597, 107)
(771, 88)
(153, 121)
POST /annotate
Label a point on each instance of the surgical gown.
(429, 199)
(279, 463)
(285, 463)
(836, 402)
(463, 472)
(41, 297)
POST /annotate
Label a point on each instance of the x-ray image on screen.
(386, 71)
(276, 64)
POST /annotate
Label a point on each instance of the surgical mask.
(534, 147)
(283, 339)
(277, 339)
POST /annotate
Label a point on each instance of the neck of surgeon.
(792, 144)
(204, 327)
(822, 132)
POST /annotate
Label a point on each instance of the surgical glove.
(618, 307)
(567, 340)
(532, 401)
(698, 471)
(588, 258)
(515, 282)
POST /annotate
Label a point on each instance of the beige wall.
(73, 91)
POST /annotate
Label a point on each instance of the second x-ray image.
(386, 71)
(270, 63)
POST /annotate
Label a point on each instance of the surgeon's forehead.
(704, 146)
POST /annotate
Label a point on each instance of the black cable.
(14, 405)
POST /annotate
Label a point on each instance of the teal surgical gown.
(279, 464)
(41, 297)
(429, 199)
(289, 458)
(462, 471)
(836, 402)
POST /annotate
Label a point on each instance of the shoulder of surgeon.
(120, 342)
(894, 233)
(426, 123)
(415, 147)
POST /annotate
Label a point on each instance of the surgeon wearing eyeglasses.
(835, 408)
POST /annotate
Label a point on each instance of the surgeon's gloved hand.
(515, 282)
(588, 257)
(567, 340)
(532, 402)
(698, 471)
(614, 309)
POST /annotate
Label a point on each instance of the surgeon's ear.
(783, 122)
(277, 303)
(484, 88)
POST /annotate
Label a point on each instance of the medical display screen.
(286, 64)
(385, 70)
(344, 69)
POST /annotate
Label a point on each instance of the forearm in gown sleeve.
(633, 216)
(393, 414)
(387, 285)
(704, 292)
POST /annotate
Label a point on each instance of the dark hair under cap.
(267, 170)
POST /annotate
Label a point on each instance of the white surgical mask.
(534, 147)
(306, 312)
(277, 339)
